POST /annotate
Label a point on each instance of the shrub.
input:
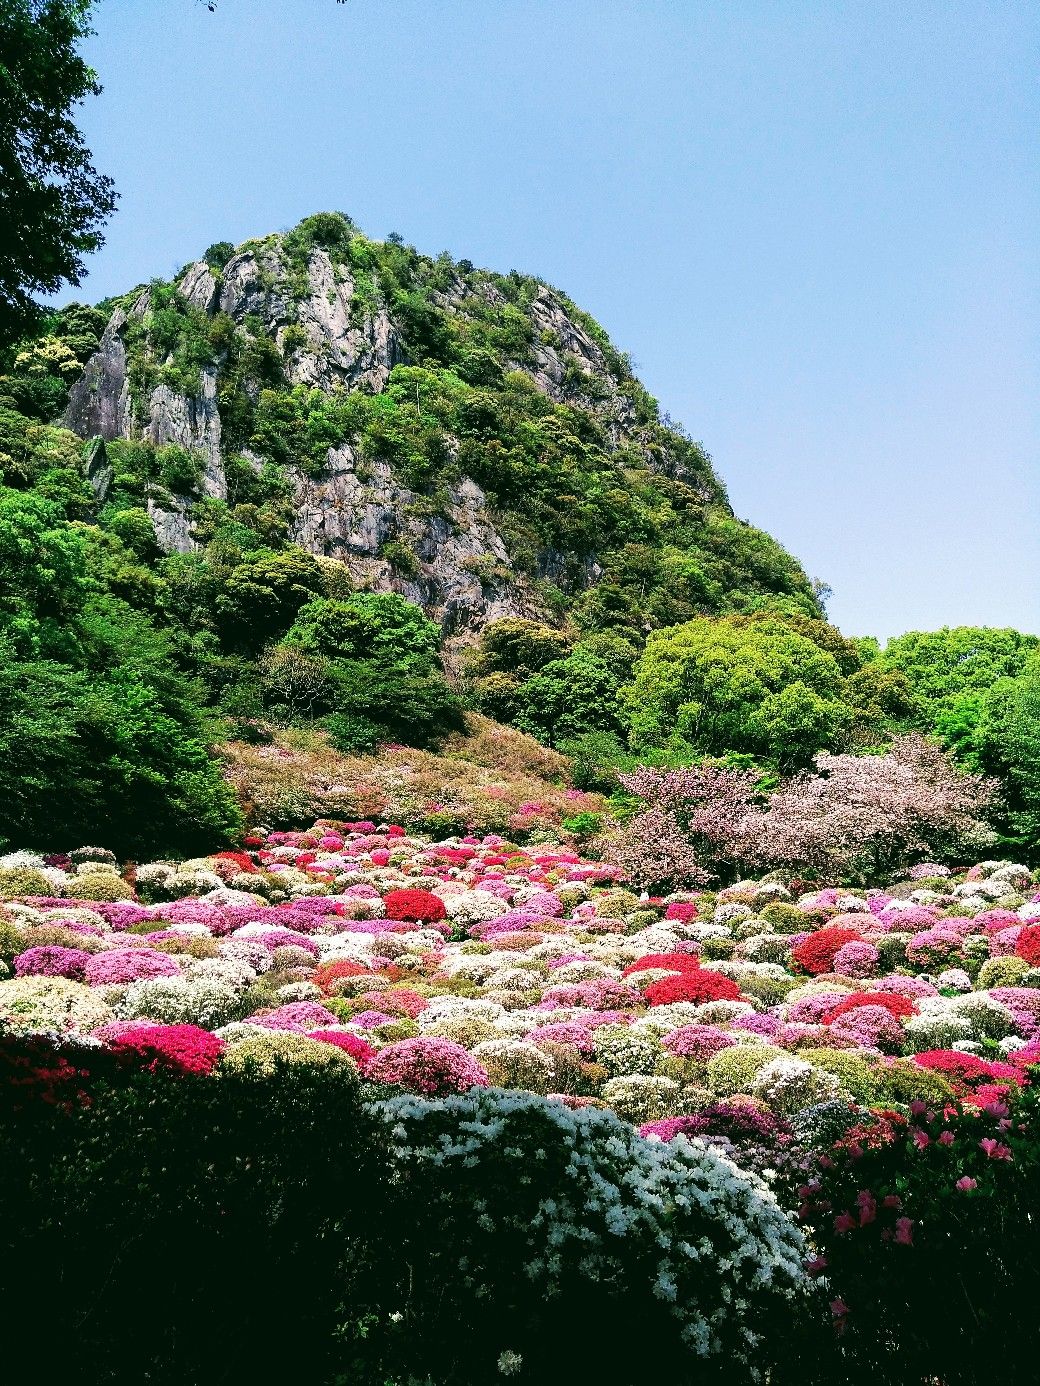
(178, 1049)
(191, 1174)
(414, 905)
(1027, 945)
(180, 1001)
(903, 1081)
(100, 886)
(734, 1070)
(855, 1074)
(925, 1225)
(52, 961)
(816, 953)
(51, 1003)
(276, 1051)
(641, 1097)
(694, 985)
(434, 1067)
(577, 1220)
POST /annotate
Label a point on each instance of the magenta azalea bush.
(431, 1067)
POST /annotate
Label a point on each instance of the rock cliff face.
(201, 365)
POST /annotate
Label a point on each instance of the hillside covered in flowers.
(777, 1027)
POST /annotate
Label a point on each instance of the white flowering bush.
(642, 1097)
(789, 1085)
(51, 1003)
(515, 1063)
(204, 1001)
(622, 1050)
(572, 1218)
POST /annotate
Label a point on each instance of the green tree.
(259, 598)
(114, 748)
(737, 683)
(52, 198)
(42, 562)
(380, 626)
(998, 733)
(941, 665)
(378, 703)
(568, 698)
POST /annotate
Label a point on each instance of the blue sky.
(815, 226)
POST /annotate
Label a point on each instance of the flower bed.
(802, 1036)
(406, 953)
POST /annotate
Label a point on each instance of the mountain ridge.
(471, 440)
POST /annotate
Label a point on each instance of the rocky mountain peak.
(469, 439)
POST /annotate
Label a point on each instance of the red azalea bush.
(899, 1005)
(1027, 945)
(967, 1071)
(816, 953)
(415, 905)
(325, 975)
(179, 1049)
(242, 860)
(672, 962)
(694, 985)
(358, 1049)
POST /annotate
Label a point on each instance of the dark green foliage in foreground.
(926, 1284)
(270, 1219)
(183, 1229)
(281, 1215)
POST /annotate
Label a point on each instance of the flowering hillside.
(440, 967)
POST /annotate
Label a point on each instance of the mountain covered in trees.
(328, 484)
(468, 439)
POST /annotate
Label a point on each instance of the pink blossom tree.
(858, 817)
(686, 835)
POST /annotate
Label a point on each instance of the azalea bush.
(157, 1204)
(924, 1228)
(443, 965)
(571, 1218)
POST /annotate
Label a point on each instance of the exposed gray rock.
(99, 402)
(249, 287)
(341, 350)
(343, 514)
(172, 528)
(199, 287)
(98, 471)
(191, 423)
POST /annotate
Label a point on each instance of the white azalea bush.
(682, 1254)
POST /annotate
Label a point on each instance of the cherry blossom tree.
(685, 837)
(859, 817)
